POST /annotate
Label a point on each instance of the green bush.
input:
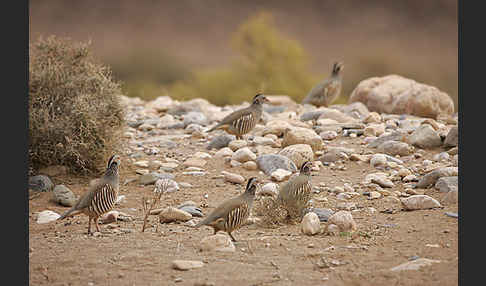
(267, 61)
(75, 116)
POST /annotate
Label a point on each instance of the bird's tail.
(212, 129)
(67, 213)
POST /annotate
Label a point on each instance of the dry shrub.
(270, 211)
(268, 61)
(75, 116)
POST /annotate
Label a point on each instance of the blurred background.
(225, 51)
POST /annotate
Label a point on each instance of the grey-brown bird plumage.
(232, 214)
(296, 193)
(99, 198)
(243, 120)
(325, 92)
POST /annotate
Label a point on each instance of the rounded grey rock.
(268, 163)
(193, 210)
(322, 213)
(64, 196)
(221, 141)
(40, 183)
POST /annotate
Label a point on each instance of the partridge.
(324, 93)
(243, 120)
(231, 214)
(296, 193)
(100, 198)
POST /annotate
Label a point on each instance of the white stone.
(47, 216)
(310, 224)
(333, 229)
(374, 195)
(186, 264)
(419, 202)
(378, 160)
(171, 214)
(300, 135)
(415, 264)
(233, 178)
(269, 189)
(250, 165)
(194, 162)
(280, 174)
(223, 152)
(243, 155)
(217, 242)
(344, 220)
(142, 164)
(202, 155)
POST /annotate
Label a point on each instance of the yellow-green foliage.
(268, 61)
(75, 116)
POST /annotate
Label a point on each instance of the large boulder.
(399, 95)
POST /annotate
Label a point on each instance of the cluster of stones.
(391, 117)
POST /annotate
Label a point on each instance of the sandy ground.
(61, 253)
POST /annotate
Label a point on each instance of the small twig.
(148, 206)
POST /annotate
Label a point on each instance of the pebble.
(250, 165)
(64, 196)
(415, 264)
(243, 155)
(344, 220)
(419, 202)
(269, 189)
(171, 214)
(378, 160)
(186, 264)
(40, 183)
(223, 152)
(47, 216)
(237, 144)
(280, 175)
(310, 224)
(194, 162)
(217, 242)
(233, 178)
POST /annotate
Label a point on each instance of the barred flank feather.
(231, 214)
(103, 200)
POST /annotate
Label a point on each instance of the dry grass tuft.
(75, 116)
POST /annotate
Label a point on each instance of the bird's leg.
(89, 225)
(232, 238)
(96, 224)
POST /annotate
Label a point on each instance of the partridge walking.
(324, 93)
(231, 214)
(296, 193)
(243, 120)
(99, 198)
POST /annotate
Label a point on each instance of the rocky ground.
(385, 194)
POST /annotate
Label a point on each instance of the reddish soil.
(61, 253)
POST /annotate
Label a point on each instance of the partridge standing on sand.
(100, 198)
(324, 93)
(297, 192)
(232, 214)
(243, 120)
